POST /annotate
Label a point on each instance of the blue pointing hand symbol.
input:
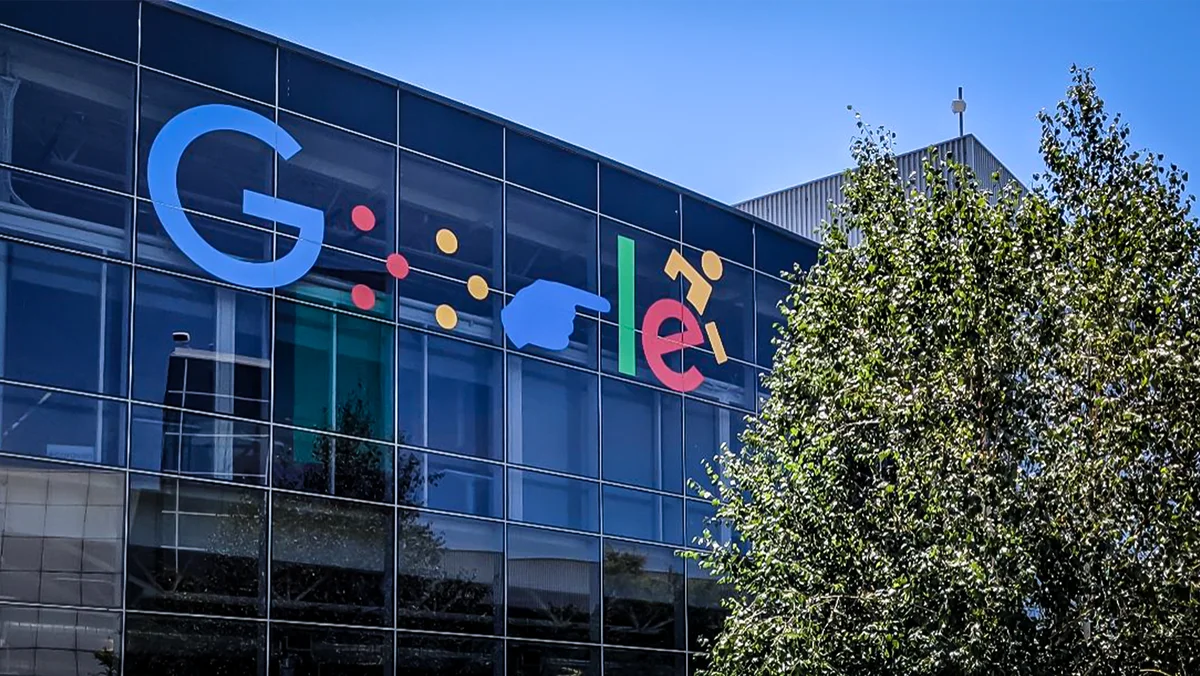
(543, 314)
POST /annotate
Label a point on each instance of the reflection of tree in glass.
(640, 604)
(351, 468)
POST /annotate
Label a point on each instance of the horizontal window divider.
(496, 462)
(534, 191)
(331, 125)
(39, 605)
(64, 390)
(553, 472)
(212, 88)
(443, 512)
(7, 166)
(228, 483)
(66, 250)
(326, 496)
(72, 45)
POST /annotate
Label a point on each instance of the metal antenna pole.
(960, 112)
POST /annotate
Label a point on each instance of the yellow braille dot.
(447, 318)
(447, 241)
(711, 262)
(477, 287)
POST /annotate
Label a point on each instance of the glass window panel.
(642, 436)
(430, 655)
(64, 426)
(421, 297)
(331, 561)
(764, 392)
(191, 444)
(201, 347)
(581, 349)
(552, 500)
(71, 112)
(451, 395)
(697, 662)
(552, 417)
(646, 516)
(336, 173)
(156, 645)
(451, 134)
(327, 92)
(551, 169)
(618, 662)
(548, 659)
(62, 533)
(548, 240)
(650, 282)
(201, 50)
(196, 547)
(450, 574)
(553, 586)
(332, 465)
(702, 515)
(110, 27)
(610, 340)
(704, 612)
(333, 372)
(768, 292)
(218, 166)
(731, 383)
(334, 278)
(435, 196)
(456, 485)
(638, 201)
(297, 650)
(156, 249)
(730, 306)
(63, 214)
(66, 319)
(706, 226)
(643, 596)
(708, 429)
(778, 251)
(50, 642)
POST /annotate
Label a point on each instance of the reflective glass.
(638, 201)
(450, 134)
(701, 516)
(704, 612)
(642, 435)
(191, 444)
(582, 347)
(650, 282)
(777, 251)
(156, 645)
(552, 500)
(63, 214)
(548, 659)
(297, 650)
(619, 662)
(768, 292)
(65, 321)
(335, 276)
(434, 197)
(708, 227)
(331, 561)
(51, 642)
(110, 27)
(449, 484)
(201, 347)
(155, 248)
(551, 169)
(548, 240)
(645, 516)
(333, 372)
(322, 90)
(610, 343)
(62, 533)
(449, 574)
(63, 426)
(451, 395)
(731, 383)
(432, 655)
(730, 307)
(332, 465)
(426, 299)
(708, 429)
(196, 547)
(553, 586)
(643, 596)
(552, 417)
(71, 112)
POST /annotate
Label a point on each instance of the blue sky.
(735, 99)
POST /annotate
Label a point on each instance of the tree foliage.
(981, 450)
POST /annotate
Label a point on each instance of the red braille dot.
(363, 218)
(397, 265)
(363, 297)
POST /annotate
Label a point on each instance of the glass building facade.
(358, 471)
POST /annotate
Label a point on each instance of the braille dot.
(446, 317)
(711, 263)
(397, 266)
(447, 241)
(363, 297)
(363, 218)
(477, 287)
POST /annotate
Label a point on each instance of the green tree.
(981, 453)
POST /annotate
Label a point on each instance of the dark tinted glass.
(49, 642)
(191, 444)
(450, 484)
(218, 166)
(730, 306)
(62, 534)
(63, 426)
(323, 463)
(338, 278)
(445, 306)
(221, 365)
(109, 27)
(553, 586)
(643, 596)
(549, 240)
(708, 227)
(646, 276)
(550, 169)
(71, 112)
(635, 200)
(642, 433)
(777, 252)
(553, 416)
(301, 651)
(65, 321)
(619, 662)
(581, 349)
(431, 655)
(451, 395)
(435, 196)
(204, 52)
(768, 292)
(731, 383)
(333, 372)
(539, 659)
(331, 561)
(196, 547)
(450, 574)
(65, 215)
(165, 644)
(553, 500)
(705, 614)
(154, 246)
(708, 429)
(327, 92)
(450, 134)
(610, 343)
(646, 516)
